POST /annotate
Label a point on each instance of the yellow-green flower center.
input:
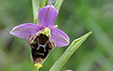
(46, 32)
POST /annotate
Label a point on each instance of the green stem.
(68, 53)
(36, 7)
(58, 4)
(43, 3)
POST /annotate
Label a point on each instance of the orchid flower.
(47, 16)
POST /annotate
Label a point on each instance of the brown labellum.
(40, 45)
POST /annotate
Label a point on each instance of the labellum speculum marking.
(40, 45)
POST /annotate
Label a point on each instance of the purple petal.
(47, 15)
(59, 37)
(24, 30)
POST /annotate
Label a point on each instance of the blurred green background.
(76, 17)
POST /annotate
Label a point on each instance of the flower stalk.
(35, 7)
(42, 3)
(58, 4)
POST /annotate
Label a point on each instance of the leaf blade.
(68, 53)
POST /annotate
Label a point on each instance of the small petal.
(59, 37)
(39, 26)
(53, 27)
(24, 30)
(47, 15)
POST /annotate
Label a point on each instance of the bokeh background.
(76, 17)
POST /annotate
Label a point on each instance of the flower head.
(42, 36)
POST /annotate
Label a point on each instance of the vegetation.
(76, 17)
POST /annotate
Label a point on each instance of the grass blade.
(67, 54)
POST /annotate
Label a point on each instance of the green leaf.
(43, 3)
(36, 7)
(68, 53)
(58, 4)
